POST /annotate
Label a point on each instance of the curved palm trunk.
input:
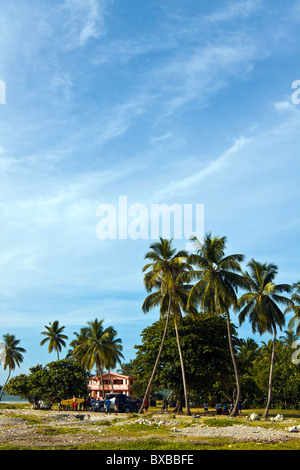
(157, 359)
(236, 372)
(266, 412)
(1, 393)
(187, 407)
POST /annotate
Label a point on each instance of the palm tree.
(10, 355)
(290, 336)
(80, 339)
(248, 352)
(113, 354)
(93, 349)
(260, 304)
(218, 279)
(170, 295)
(55, 337)
(295, 307)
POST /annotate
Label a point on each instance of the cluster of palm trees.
(217, 279)
(206, 281)
(95, 346)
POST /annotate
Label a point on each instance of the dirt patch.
(42, 429)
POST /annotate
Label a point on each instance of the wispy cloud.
(85, 20)
(191, 184)
(233, 10)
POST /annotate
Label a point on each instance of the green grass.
(219, 422)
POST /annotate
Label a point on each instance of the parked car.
(119, 402)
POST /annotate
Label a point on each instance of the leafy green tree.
(260, 303)
(162, 275)
(218, 278)
(10, 355)
(56, 381)
(54, 334)
(206, 355)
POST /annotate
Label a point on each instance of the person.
(116, 404)
(205, 408)
(146, 404)
(88, 403)
(93, 402)
(165, 404)
(74, 403)
(107, 405)
(219, 408)
(225, 409)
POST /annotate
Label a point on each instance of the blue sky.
(180, 101)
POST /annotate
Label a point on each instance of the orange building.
(119, 383)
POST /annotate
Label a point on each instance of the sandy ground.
(38, 428)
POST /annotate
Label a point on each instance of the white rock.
(254, 417)
(279, 418)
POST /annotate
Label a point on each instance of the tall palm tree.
(114, 351)
(93, 349)
(170, 295)
(80, 339)
(55, 337)
(260, 303)
(295, 308)
(218, 278)
(248, 351)
(290, 336)
(10, 355)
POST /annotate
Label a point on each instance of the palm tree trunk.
(157, 359)
(236, 372)
(99, 370)
(1, 393)
(187, 408)
(266, 412)
(111, 382)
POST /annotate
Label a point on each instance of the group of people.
(87, 404)
(222, 409)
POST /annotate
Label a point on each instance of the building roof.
(113, 374)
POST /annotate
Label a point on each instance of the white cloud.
(283, 106)
(190, 184)
(240, 9)
(85, 22)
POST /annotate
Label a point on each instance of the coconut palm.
(260, 303)
(113, 353)
(55, 337)
(218, 278)
(10, 355)
(248, 352)
(295, 308)
(289, 337)
(80, 339)
(93, 349)
(170, 295)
